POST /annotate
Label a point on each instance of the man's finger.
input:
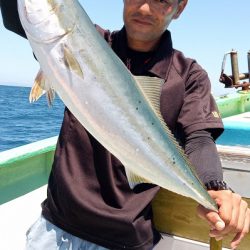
(232, 222)
(225, 204)
(239, 236)
(242, 216)
(211, 217)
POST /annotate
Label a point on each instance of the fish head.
(45, 20)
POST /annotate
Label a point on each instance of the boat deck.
(17, 216)
(23, 212)
(26, 168)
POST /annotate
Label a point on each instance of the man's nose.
(145, 7)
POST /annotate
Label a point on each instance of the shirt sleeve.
(10, 17)
(199, 110)
(202, 153)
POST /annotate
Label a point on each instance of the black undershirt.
(137, 61)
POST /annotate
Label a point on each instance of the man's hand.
(233, 216)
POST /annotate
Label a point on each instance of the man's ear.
(181, 7)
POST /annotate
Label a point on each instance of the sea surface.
(22, 122)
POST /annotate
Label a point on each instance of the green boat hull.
(234, 104)
(26, 168)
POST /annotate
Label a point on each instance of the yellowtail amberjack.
(121, 111)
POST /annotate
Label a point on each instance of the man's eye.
(163, 1)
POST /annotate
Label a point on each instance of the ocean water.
(22, 122)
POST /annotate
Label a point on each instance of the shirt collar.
(160, 63)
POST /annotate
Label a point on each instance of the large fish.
(121, 111)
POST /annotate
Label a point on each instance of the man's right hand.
(233, 217)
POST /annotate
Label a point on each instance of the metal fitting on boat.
(234, 80)
(248, 59)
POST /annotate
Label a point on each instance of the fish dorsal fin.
(151, 88)
(71, 62)
(40, 87)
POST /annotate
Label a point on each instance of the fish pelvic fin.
(151, 89)
(40, 87)
(71, 62)
(50, 95)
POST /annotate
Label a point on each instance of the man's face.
(146, 21)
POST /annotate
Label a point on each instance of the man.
(90, 204)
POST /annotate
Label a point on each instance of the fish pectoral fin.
(71, 62)
(134, 179)
(40, 87)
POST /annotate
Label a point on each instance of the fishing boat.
(24, 174)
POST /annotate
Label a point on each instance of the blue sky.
(205, 31)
